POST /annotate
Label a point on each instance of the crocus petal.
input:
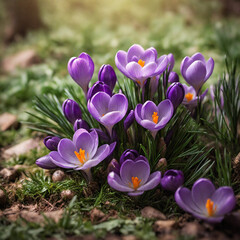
(210, 67)
(66, 149)
(135, 50)
(150, 125)
(94, 137)
(100, 102)
(115, 182)
(153, 180)
(149, 70)
(161, 65)
(77, 134)
(198, 56)
(184, 66)
(118, 102)
(59, 161)
(165, 110)
(45, 162)
(135, 71)
(148, 109)
(136, 193)
(149, 56)
(137, 113)
(121, 62)
(111, 118)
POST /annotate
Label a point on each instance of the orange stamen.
(81, 155)
(155, 117)
(210, 208)
(141, 62)
(189, 96)
(136, 182)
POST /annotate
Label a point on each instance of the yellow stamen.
(81, 155)
(210, 208)
(155, 117)
(141, 62)
(136, 182)
(189, 96)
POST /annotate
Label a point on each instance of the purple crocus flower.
(132, 155)
(196, 70)
(80, 123)
(81, 153)
(51, 142)
(129, 120)
(81, 70)
(108, 110)
(171, 62)
(172, 180)
(45, 162)
(173, 77)
(134, 177)
(139, 64)
(99, 87)
(71, 110)
(190, 97)
(154, 117)
(108, 76)
(205, 202)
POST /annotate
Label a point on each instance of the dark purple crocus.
(80, 123)
(129, 120)
(81, 70)
(139, 64)
(99, 87)
(196, 70)
(108, 76)
(51, 142)
(134, 177)
(206, 202)
(129, 154)
(175, 94)
(108, 110)
(153, 117)
(173, 77)
(71, 110)
(172, 180)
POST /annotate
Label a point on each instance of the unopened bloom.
(131, 154)
(108, 110)
(196, 70)
(154, 117)
(176, 93)
(71, 110)
(81, 70)
(134, 177)
(172, 180)
(173, 77)
(206, 202)
(139, 64)
(107, 75)
(129, 120)
(51, 142)
(80, 123)
(98, 87)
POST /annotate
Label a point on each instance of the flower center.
(189, 96)
(155, 117)
(81, 156)
(141, 62)
(210, 207)
(136, 182)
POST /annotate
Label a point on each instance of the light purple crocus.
(81, 70)
(154, 117)
(196, 70)
(191, 99)
(134, 177)
(139, 64)
(81, 153)
(206, 202)
(171, 62)
(45, 162)
(108, 110)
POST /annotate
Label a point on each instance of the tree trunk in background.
(230, 8)
(23, 16)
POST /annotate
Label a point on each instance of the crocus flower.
(205, 202)
(173, 77)
(132, 155)
(45, 162)
(172, 180)
(108, 110)
(171, 62)
(80, 123)
(99, 87)
(71, 110)
(81, 153)
(139, 64)
(134, 177)
(108, 76)
(129, 120)
(154, 117)
(190, 97)
(81, 70)
(196, 70)
(51, 142)
(175, 94)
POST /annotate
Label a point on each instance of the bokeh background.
(39, 37)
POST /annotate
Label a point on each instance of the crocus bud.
(98, 87)
(71, 110)
(129, 120)
(80, 123)
(102, 135)
(175, 94)
(107, 75)
(51, 142)
(171, 61)
(128, 154)
(81, 70)
(172, 180)
(173, 77)
(114, 166)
